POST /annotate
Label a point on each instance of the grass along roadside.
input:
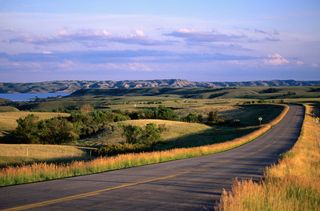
(43, 171)
(292, 184)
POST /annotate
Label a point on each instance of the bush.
(137, 135)
(132, 133)
(192, 117)
(160, 112)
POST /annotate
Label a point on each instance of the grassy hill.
(208, 93)
(174, 129)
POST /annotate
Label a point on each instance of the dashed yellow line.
(88, 194)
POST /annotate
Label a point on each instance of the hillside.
(207, 93)
(74, 85)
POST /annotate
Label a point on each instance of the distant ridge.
(70, 86)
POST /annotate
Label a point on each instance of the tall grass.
(43, 171)
(292, 184)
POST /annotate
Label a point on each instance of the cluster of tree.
(57, 130)
(138, 139)
(193, 117)
(138, 135)
(160, 112)
(60, 130)
(90, 123)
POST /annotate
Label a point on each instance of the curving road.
(190, 184)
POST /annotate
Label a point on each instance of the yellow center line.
(88, 194)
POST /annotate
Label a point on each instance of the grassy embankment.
(43, 171)
(292, 184)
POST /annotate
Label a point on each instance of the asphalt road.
(189, 184)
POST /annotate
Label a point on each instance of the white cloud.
(139, 33)
(276, 59)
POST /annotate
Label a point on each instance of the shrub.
(160, 112)
(132, 133)
(137, 135)
(151, 134)
(191, 117)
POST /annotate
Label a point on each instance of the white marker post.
(260, 119)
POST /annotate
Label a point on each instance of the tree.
(191, 117)
(165, 113)
(200, 118)
(132, 133)
(27, 130)
(151, 134)
(213, 117)
(137, 135)
(57, 131)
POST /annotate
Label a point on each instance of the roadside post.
(260, 119)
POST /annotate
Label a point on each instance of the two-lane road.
(189, 184)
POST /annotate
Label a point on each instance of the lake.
(30, 96)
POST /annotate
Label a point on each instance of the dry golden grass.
(174, 129)
(292, 184)
(25, 153)
(39, 151)
(39, 172)
(8, 119)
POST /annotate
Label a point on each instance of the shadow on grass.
(207, 137)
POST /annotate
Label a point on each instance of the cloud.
(197, 36)
(276, 59)
(193, 36)
(90, 37)
(124, 56)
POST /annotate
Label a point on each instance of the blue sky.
(145, 39)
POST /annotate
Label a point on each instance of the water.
(30, 96)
